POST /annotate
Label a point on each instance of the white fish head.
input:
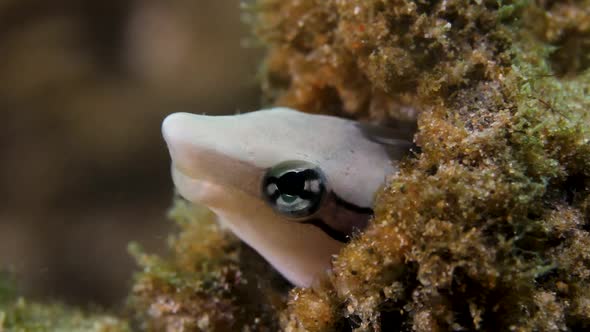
(291, 185)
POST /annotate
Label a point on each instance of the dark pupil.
(292, 183)
(294, 188)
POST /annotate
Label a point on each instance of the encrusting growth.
(487, 229)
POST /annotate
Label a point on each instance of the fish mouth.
(198, 191)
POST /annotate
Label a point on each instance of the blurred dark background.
(84, 86)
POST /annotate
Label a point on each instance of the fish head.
(293, 186)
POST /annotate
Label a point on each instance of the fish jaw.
(301, 253)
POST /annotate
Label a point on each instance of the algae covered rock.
(24, 316)
(488, 227)
(210, 281)
(485, 229)
(18, 314)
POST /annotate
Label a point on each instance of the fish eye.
(295, 189)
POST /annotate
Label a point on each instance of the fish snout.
(204, 155)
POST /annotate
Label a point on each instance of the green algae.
(210, 281)
(20, 315)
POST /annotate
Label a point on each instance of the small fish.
(293, 186)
